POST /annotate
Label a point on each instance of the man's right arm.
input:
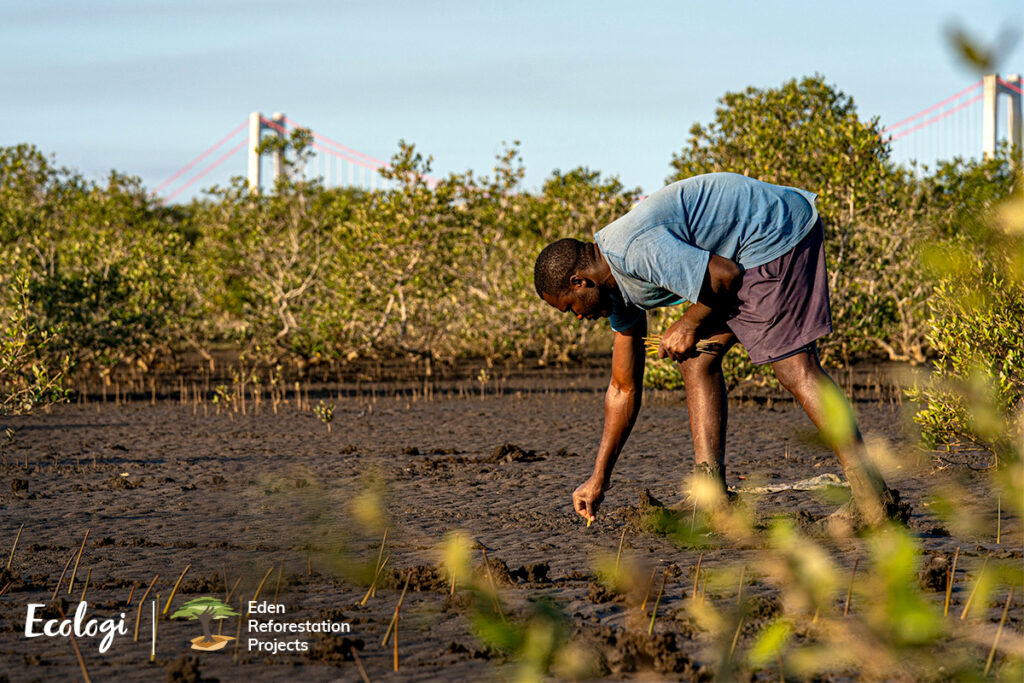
(621, 407)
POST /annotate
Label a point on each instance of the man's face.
(584, 301)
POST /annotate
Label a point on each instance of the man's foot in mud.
(688, 504)
(847, 520)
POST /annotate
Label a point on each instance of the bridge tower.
(993, 88)
(257, 126)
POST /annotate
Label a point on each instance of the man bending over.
(750, 257)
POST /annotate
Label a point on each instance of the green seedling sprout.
(325, 411)
(457, 557)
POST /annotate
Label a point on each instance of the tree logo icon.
(206, 610)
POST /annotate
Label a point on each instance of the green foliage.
(807, 133)
(539, 641)
(440, 269)
(28, 376)
(975, 396)
(101, 264)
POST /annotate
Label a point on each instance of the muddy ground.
(165, 485)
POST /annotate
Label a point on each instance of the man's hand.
(679, 342)
(587, 497)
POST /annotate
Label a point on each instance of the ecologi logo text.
(206, 610)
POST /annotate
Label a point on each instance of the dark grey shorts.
(784, 303)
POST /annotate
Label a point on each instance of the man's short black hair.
(557, 262)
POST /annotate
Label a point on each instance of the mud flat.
(275, 498)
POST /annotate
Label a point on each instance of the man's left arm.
(722, 280)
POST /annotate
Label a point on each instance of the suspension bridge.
(967, 124)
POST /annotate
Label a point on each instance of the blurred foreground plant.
(974, 400)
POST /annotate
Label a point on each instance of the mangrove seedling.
(325, 411)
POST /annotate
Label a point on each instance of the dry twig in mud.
(652, 343)
(256, 595)
(373, 584)
(88, 575)
(494, 586)
(61, 579)
(78, 652)
(128, 603)
(657, 601)
(380, 556)
(999, 632)
(950, 580)
(15, 546)
(359, 665)
(977, 582)
(619, 553)
(232, 591)
(142, 601)
(696, 575)
(647, 593)
(394, 618)
(238, 632)
(999, 519)
(849, 590)
(174, 590)
(71, 582)
(277, 586)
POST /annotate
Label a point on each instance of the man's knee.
(799, 373)
(701, 366)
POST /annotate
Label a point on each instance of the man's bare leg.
(708, 405)
(803, 376)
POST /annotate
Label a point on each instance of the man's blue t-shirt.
(659, 251)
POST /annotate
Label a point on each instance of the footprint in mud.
(932, 576)
(509, 452)
(625, 651)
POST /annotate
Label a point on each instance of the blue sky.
(143, 87)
